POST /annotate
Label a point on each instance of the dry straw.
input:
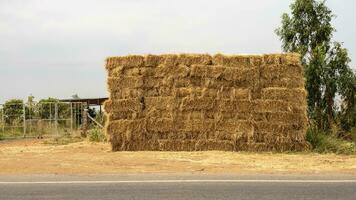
(191, 102)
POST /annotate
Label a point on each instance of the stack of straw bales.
(192, 102)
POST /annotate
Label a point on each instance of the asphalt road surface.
(177, 187)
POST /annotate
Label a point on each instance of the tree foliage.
(308, 31)
(47, 109)
(13, 111)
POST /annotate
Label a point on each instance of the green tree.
(47, 108)
(308, 31)
(13, 111)
(348, 105)
(31, 110)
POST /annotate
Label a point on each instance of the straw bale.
(151, 83)
(241, 94)
(244, 106)
(231, 61)
(126, 93)
(197, 102)
(123, 105)
(209, 92)
(125, 61)
(183, 92)
(181, 71)
(116, 71)
(159, 103)
(272, 59)
(123, 115)
(291, 82)
(115, 84)
(246, 115)
(155, 113)
(232, 126)
(181, 82)
(221, 135)
(199, 71)
(170, 60)
(227, 115)
(195, 125)
(200, 103)
(277, 127)
(195, 114)
(256, 61)
(272, 106)
(190, 59)
(172, 71)
(226, 105)
(281, 71)
(237, 74)
(109, 63)
(297, 95)
(121, 126)
(259, 137)
(286, 117)
(188, 135)
(215, 72)
(226, 93)
(159, 124)
(291, 59)
(153, 60)
(218, 83)
(142, 71)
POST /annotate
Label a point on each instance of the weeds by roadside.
(328, 143)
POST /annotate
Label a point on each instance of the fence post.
(71, 117)
(3, 119)
(84, 120)
(56, 117)
(24, 119)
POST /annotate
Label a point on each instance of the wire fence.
(40, 119)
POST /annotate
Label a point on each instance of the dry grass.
(34, 157)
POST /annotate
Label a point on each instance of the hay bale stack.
(192, 102)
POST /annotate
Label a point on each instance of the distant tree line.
(13, 110)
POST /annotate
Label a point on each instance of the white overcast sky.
(57, 48)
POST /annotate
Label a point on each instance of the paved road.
(177, 187)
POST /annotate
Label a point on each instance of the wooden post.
(24, 119)
(3, 119)
(71, 117)
(84, 120)
(56, 117)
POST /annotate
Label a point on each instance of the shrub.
(96, 135)
(323, 142)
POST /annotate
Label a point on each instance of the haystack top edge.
(205, 59)
(205, 54)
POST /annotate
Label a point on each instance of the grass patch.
(96, 135)
(327, 143)
(63, 140)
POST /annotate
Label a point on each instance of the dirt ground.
(35, 157)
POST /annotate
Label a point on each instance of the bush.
(96, 135)
(323, 142)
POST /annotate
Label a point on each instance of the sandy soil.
(34, 157)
